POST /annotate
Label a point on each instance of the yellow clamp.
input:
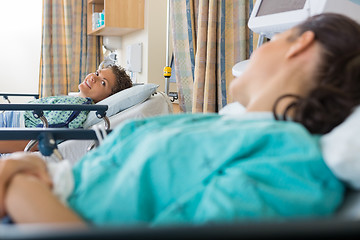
(167, 72)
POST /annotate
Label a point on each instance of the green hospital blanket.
(196, 169)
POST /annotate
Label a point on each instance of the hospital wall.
(153, 39)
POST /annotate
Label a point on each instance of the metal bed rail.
(38, 109)
(47, 137)
(101, 109)
(57, 133)
(306, 229)
(47, 144)
(7, 95)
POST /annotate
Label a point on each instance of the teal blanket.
(194, 169)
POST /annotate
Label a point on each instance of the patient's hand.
(26, 163)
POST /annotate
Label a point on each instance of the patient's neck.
(290, 83)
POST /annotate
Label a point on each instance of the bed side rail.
(39, 108)
(7, 95)
(57, 133)
(309, 229)
(52, 107)
(47, 137)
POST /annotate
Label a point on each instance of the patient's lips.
(87, 84)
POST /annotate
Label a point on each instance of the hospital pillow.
(122, 100)
(341, 150)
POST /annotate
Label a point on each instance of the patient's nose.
(93, 78)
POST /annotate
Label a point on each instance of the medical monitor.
(273, 16)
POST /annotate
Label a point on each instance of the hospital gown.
(56, 119)
(196, 169)
(59, 119)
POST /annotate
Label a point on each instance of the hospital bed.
(343, 224)
(47, 137)
(330, 228)
(157, 104)
(139, 101)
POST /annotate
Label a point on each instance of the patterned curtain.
(68, 54)
(209, 38)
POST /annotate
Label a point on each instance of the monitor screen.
(268, 7)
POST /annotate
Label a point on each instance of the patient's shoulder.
(62, 99)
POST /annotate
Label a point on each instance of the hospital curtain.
(67, 53)
(209, 38)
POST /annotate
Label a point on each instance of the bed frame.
(301, 229)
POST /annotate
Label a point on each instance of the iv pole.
(167, 69)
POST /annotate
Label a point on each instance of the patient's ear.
(301, 44)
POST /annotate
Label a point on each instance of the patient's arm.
(10, 146)
(29, 200)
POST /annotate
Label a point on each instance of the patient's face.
(98, 85)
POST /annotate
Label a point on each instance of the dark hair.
(122, 81)
(337, 91)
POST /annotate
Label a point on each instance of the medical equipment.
(110, 45)
(109, 59)
(168, 68)
(275, 16)
(167, 72)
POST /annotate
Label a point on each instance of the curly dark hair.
(337, 91)
(123, 80)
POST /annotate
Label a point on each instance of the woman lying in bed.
(95, 87)
(209, 168)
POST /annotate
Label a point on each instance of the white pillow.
(234, 108)
(122, 100)
(341, 150)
